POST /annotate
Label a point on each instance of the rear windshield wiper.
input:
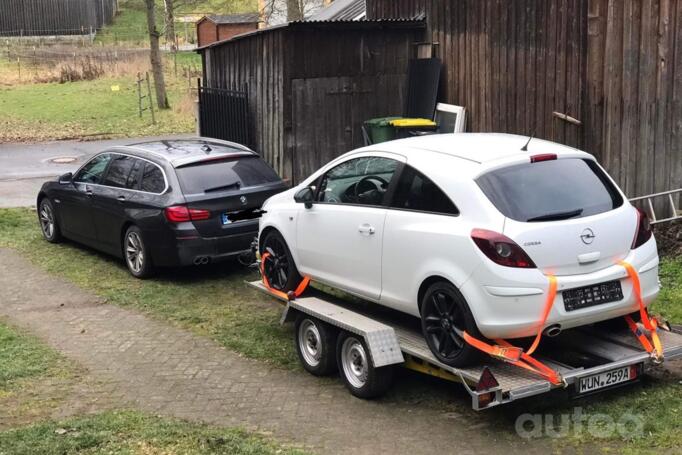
(556, 216)
(236, 184)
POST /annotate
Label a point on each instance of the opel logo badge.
(243, 200)
(587, 236)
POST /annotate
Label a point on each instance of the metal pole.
(151, 103)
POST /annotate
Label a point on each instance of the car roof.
(476, 148)
(182, 152)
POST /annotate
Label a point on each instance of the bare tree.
(275, 11)
(170, 23)
(155, 56)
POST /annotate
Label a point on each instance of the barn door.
(328, 114)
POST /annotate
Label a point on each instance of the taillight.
(501, 249)
(643, 233)
(180, 213)
(543, 157)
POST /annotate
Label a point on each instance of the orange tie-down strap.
(651, 324)
(291, 295)
(503, 350)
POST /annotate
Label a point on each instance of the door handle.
(366, 229)
(121, 199)
(88, 191)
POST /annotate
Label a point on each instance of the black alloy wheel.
(445, 315)
(279, 267)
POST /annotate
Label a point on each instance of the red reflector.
(487, 381)
(634, 371)
(542, 157)
(180, 214)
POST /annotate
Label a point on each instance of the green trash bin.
(380, 129)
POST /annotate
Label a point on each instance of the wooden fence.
(614, 65)
(54, 17)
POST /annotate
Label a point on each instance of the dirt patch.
(669, 238)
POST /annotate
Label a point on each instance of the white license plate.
(606, 379)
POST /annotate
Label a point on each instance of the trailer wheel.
(315, 343)
(356, 368)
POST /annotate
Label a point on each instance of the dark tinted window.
(92, 171)
(358, 181)
(152, 179)
(550, 190)
(119, 170)
(415, 191)
(225, 175)
(135, 175)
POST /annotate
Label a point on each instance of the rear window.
(229, 175)
(550, 190)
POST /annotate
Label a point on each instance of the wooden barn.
(222, 27)
(602, 75)
(54, 17)
(311, 84)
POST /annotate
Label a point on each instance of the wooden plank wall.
(614, 64)
(53, 17)
(634, 97)
(511, 63)
(255, 64)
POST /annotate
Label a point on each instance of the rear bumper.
(508, 303)
(188, 246)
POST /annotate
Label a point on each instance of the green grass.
(128, 432)
(130, 25)
(24, 358)
(212, 301)
(76, 109)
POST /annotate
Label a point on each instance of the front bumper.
(507, 307)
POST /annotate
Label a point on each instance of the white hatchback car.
(464, 230)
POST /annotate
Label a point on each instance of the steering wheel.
(373, 179)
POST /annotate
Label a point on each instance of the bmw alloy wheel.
(47, 223)
(134, 252)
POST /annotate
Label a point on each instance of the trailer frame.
(392, 340)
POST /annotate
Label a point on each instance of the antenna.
(525, 147)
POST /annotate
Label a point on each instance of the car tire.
(443, 307)
(49, 225)
(280, 268)
(136, 254)
(357, 370)
(316, 345)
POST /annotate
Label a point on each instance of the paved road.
(24, 167)
(164, 370)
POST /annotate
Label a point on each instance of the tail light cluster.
(643, 233)
(181, 213)
(501, 249)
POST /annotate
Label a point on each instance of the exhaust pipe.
(553, 330)
(201, 260)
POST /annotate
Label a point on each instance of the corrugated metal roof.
(341, 10)
(414, 22)
(243, 18)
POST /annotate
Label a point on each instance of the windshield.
(550, 190)
(228, 175)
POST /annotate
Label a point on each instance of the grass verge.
(132, 432)
(214, 301)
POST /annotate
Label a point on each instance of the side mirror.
(305, 196)
(66, 178)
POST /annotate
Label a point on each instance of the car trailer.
(590, 359)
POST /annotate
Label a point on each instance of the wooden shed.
(222, 27)
(311, 84)
(613, 65)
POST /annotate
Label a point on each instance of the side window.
(119, 170)
(152, 179)
(415, 191)
(133, 181)
(93, 169)
(357, 181)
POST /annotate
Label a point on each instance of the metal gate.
(224, 114)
